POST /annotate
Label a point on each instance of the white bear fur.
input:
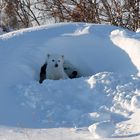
(53, 72)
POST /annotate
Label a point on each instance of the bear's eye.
(58, 60)
(53, 60)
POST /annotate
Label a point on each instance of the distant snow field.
(103, 103)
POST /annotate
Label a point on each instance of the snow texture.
(103, 102)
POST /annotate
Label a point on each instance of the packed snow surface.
(103, 102)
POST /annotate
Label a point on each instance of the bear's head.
(55, 60)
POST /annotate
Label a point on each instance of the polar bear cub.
(55, 69)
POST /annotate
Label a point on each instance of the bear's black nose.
(56, 65)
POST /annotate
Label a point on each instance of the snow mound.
(129, 44)
(102, 129)
(80, 101)
(24, 51)
(108, 91)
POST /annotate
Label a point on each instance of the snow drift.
(108, 91)
(86, 46)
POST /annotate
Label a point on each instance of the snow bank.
(103, 129)
(86, 46)
(108, 90)
(81, 102)
(130, 44)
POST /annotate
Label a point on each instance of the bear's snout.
(56, 65)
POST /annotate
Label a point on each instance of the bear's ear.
(63, 56)
(48, 55)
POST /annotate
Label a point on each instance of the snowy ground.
(104, 102)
